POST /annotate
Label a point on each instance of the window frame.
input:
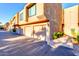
(29, 10)
(21, 16)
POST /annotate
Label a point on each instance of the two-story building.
(40, 20)
(13, 21)
(6, 26)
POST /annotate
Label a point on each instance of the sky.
(67, 5)
(8, 10)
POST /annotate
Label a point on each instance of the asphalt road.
(17, 45)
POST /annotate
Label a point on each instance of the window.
(32, 10)
(21, 16)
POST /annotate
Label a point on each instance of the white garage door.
(40, 32)
(28, 31)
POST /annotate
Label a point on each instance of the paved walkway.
(16, 45)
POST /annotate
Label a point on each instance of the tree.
(1, 27)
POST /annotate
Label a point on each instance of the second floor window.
(32, 10)
(21, 16)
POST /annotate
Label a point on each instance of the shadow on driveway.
(30, 47)
(41, 49)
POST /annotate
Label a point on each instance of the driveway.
(18, 45)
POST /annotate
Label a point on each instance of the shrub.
(1, 27)
(73, 32)
(54, 35)
(14, 30)
(77, 37)
(57, 35)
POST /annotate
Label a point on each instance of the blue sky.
(67, 5)
(8, 10)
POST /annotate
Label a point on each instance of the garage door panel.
(28, 31)
(40, 32)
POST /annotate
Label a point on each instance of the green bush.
(14, 30)
(73, 32)
(1, 27)
(57, 35)
(77, 38)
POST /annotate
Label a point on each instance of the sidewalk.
(63, 41)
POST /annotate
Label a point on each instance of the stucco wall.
(39, 13)
(53, 12)
(50, 11)
(23, 21)
(70, 19)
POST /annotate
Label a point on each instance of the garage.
(37, 31)
(28, 29)
(40, 32)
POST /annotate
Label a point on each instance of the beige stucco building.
(6, 26)
(13, 21)
(71, 19)
(40, 20)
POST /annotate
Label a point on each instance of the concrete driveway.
(17, 45)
